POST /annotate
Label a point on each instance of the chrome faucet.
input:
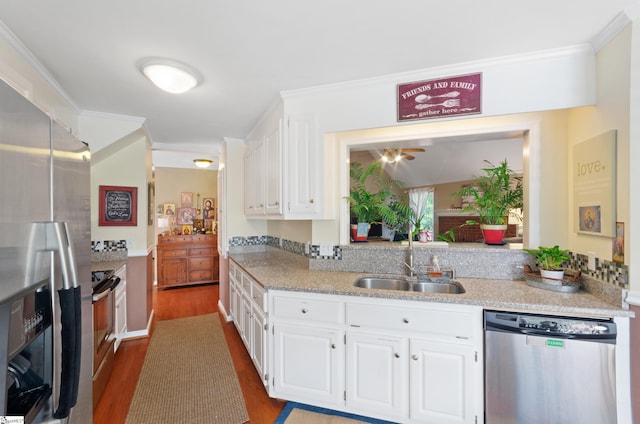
(410, 264)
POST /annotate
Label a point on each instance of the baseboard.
(140, 333)
(223, 311)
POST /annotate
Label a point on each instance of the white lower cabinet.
(307, 363)
(376, 374)
(442, 382)
(246, 304)
(402, 361)
(120, 318)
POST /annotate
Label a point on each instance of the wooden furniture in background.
(469, 233)
(187, 259)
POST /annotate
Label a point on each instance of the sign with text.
(118, 206)
(440, 98)
(594, 185)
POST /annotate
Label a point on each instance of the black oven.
(103, 329)
(27, 326)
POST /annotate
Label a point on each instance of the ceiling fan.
(395, 155)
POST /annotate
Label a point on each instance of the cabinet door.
(307, 364)
(259, 343)
(121, 313)
(233, 303)
(442, 382)
(273, 170)
(245, 309)
(174, 271)
(376, 374)
(254, 179)
(303, 165)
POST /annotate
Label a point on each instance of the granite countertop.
(110, 265)
(278, 269)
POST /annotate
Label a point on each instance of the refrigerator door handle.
(54, 237)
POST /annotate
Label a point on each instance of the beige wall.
(611, 112)
(170, 182)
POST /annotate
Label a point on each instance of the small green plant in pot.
(550, 261)
(367, 205)
(494, 195)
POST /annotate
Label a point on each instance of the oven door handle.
(101, 295)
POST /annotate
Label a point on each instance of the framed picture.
(185, 216)
(186, 230)
(186, 199)
(209, 208)
(208, 224)
(618, 244)
(198, 226)
(169, 209)
(151, 193)
(118, 206)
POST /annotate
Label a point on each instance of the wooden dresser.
(186, 260)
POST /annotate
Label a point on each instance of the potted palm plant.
(550, 260)
(370, 198)
(493, 196)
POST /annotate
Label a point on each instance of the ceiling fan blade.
(416, 149)
(408, 157)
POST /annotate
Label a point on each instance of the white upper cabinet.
(282, 167)
(303, 155)
(263, 168)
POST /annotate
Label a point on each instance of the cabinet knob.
(333, 345)
(304, 310)
(405, 320)
(397, 355)
(414, 357)
(310, 200)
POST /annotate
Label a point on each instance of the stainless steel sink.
(451, 287)
(383, 283)
(394, 283)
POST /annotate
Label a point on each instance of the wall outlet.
(591, 265)
(130, 244)
(98, 245)
(326, 249)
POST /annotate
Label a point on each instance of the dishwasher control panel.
(549, 324)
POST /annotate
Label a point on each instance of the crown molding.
(610, 31)
(26, 55)
(455, 69)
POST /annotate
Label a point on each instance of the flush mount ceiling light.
(170, 76)
(202, 163)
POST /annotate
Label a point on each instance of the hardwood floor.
(179, 303)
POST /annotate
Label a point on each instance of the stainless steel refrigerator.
(45, 244)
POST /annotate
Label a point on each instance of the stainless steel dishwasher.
(549, 369)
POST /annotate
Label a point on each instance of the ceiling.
(247, 52)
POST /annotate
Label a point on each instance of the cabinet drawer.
(307, 309)
(200, 276)
(200, 263)
(173, 253)
(203, 251)
(259, 296)
(432, 321)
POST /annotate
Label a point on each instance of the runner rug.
(188, 376)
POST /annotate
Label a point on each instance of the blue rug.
(291, 405)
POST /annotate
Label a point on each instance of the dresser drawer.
(203, 276)
(200, 263)
(310, 310)
(202, 251)
(174, 253)
(418, 320)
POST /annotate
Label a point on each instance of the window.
(421, 202)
